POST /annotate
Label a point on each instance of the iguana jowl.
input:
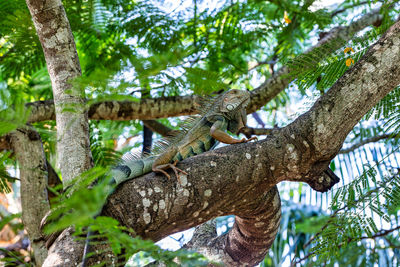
(224, 112)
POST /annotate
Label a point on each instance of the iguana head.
(233, 106)
(234, 100)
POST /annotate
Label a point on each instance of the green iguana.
(224, 112)
(218, 114)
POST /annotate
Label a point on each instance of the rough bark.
(146, 109)
(28, 149)
(73, 147)
(298, 152)
(156, 207)
(68, 252)
(357, 91)
(251, 236)
(149, 109)
(53, 29)
(247, 242)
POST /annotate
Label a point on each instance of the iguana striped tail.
(131, 168)
(127, 169)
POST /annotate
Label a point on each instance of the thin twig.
(381, 234)
(158, 127)
(338, 11)
(249, 131)
(364, 142)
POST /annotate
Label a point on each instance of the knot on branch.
(322, 178)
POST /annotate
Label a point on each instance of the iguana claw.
(244, 140)
(162, 168)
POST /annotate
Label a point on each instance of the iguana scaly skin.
(225, 112)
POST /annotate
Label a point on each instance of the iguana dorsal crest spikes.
(197, 135)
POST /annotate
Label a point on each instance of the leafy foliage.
(205, 44)
(127, 48)
(20, 49)
(81, 208)
(80, 204)
(5, 177)
(298, 222)
(12, 118)
(323, 66)
(103, 151)
(388, 110)
(122, 243)
(354, 206)
(387, 106)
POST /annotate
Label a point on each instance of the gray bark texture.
(28, 149)
(247, 242)
(53, 29)
(241, 179)
(73, 147)
(149, 109)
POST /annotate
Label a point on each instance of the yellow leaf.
(349, 61)
(286, 17)
(347, 49)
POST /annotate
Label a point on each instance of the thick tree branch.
(238, 179)
(158, 207)
(318, 135)
(249, 131)
(357, 91)
(28, 149)
(245, 244)
(148, 109)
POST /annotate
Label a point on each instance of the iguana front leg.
(225, 138)
(162, 163)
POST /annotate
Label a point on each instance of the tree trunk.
(28, 149)
(238, 179)
(53, 29)
(73, 147)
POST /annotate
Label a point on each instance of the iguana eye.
(230, 107)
